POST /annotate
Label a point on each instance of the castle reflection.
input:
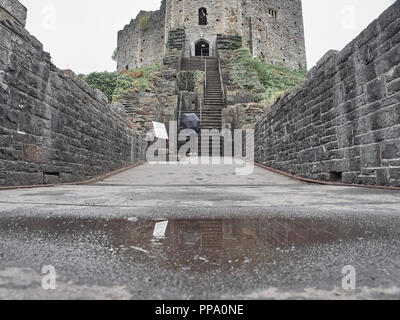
(191, 244)
(234, 233)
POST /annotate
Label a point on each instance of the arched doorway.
(202, 48)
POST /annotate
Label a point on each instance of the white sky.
(82, 34)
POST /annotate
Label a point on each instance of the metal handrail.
(222, 82)
(205, 77)
(201, 110)
(180, 111)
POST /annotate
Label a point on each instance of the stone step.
(207, 115)
(205, 111)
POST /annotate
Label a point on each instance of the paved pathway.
(224, 236)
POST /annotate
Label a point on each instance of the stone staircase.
(211, 234)
(213, 102)
(131, 104)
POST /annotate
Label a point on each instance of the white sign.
(160, 130)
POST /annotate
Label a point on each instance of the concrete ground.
(188, 231)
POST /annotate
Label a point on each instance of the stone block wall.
(142, 46)
(242, 115)
(53, 127)
(15, 9)
(344, 123)
(273, 30)
(157, 103)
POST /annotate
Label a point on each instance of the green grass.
(266, 81)
(115, 85)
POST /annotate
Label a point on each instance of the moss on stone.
(144, 22)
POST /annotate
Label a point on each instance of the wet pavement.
(157, 232)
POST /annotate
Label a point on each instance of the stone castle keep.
(271, 29)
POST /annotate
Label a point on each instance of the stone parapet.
(53, 127)
(343, 124)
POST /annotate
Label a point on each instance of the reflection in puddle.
(160, 229)
(190, 244)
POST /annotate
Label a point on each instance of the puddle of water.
(190, 244)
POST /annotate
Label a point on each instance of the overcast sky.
(82, 34)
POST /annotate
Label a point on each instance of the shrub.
(123, 84)
(103, 81)
(115, 55)
(115, 85)
(187, 80)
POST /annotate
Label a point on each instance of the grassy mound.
(115, 85)
(264, 80)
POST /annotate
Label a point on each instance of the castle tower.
(271, 29)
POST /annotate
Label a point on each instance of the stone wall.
(53, 127)
(242, 115)
(273, 30)
(157, 103)
(142, 45)
(344, 123)
(16, 9)
(222, 18)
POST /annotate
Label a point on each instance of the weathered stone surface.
(53, 127)
(157, 103)
(242, 116)
(344, 122)
(16, 9)
(227, 42)
(142, 41)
